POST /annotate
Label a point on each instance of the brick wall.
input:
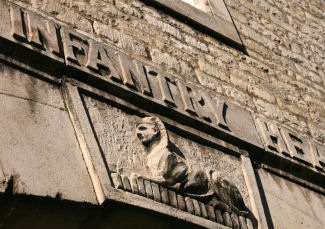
(282, 76)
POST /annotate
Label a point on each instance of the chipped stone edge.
(71, 101)
(253, 192)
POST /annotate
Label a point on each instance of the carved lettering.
(42, 33)
(160, 83)
(200, 104)
(296, 146)
(17, 23)
(166, 93)
(134, 71)
(98, 59)
(189, 97)
(126, 71)
(271, 136)
(318, 156)
(219, 109)
(73, 45)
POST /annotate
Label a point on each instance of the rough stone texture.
(280, 77)
(39, 151)
(123, 151)
(290, 205)
(284, 41)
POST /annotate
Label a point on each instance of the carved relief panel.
(144, 158)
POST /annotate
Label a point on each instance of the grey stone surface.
(21, 85)
(292, 205)
(39, 150)
(241, 123)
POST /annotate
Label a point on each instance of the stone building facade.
(162, 114)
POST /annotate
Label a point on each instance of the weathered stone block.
(156, 192)
(117, 180)
(227, 219)
(181, 202)
(172, 198)
(189, 205)
(164, 195)
(126, 183)
(40, 150)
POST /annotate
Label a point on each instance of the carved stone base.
(182, 202)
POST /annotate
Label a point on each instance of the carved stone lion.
(168, 168)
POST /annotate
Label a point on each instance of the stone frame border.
(101, 174)
(216, 24)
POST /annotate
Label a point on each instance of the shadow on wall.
(21, 212)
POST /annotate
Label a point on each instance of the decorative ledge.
(159, 193)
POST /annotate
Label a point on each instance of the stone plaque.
(147, 160)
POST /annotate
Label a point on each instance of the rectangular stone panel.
(117, 131)
(39, 149)
(291, 205)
